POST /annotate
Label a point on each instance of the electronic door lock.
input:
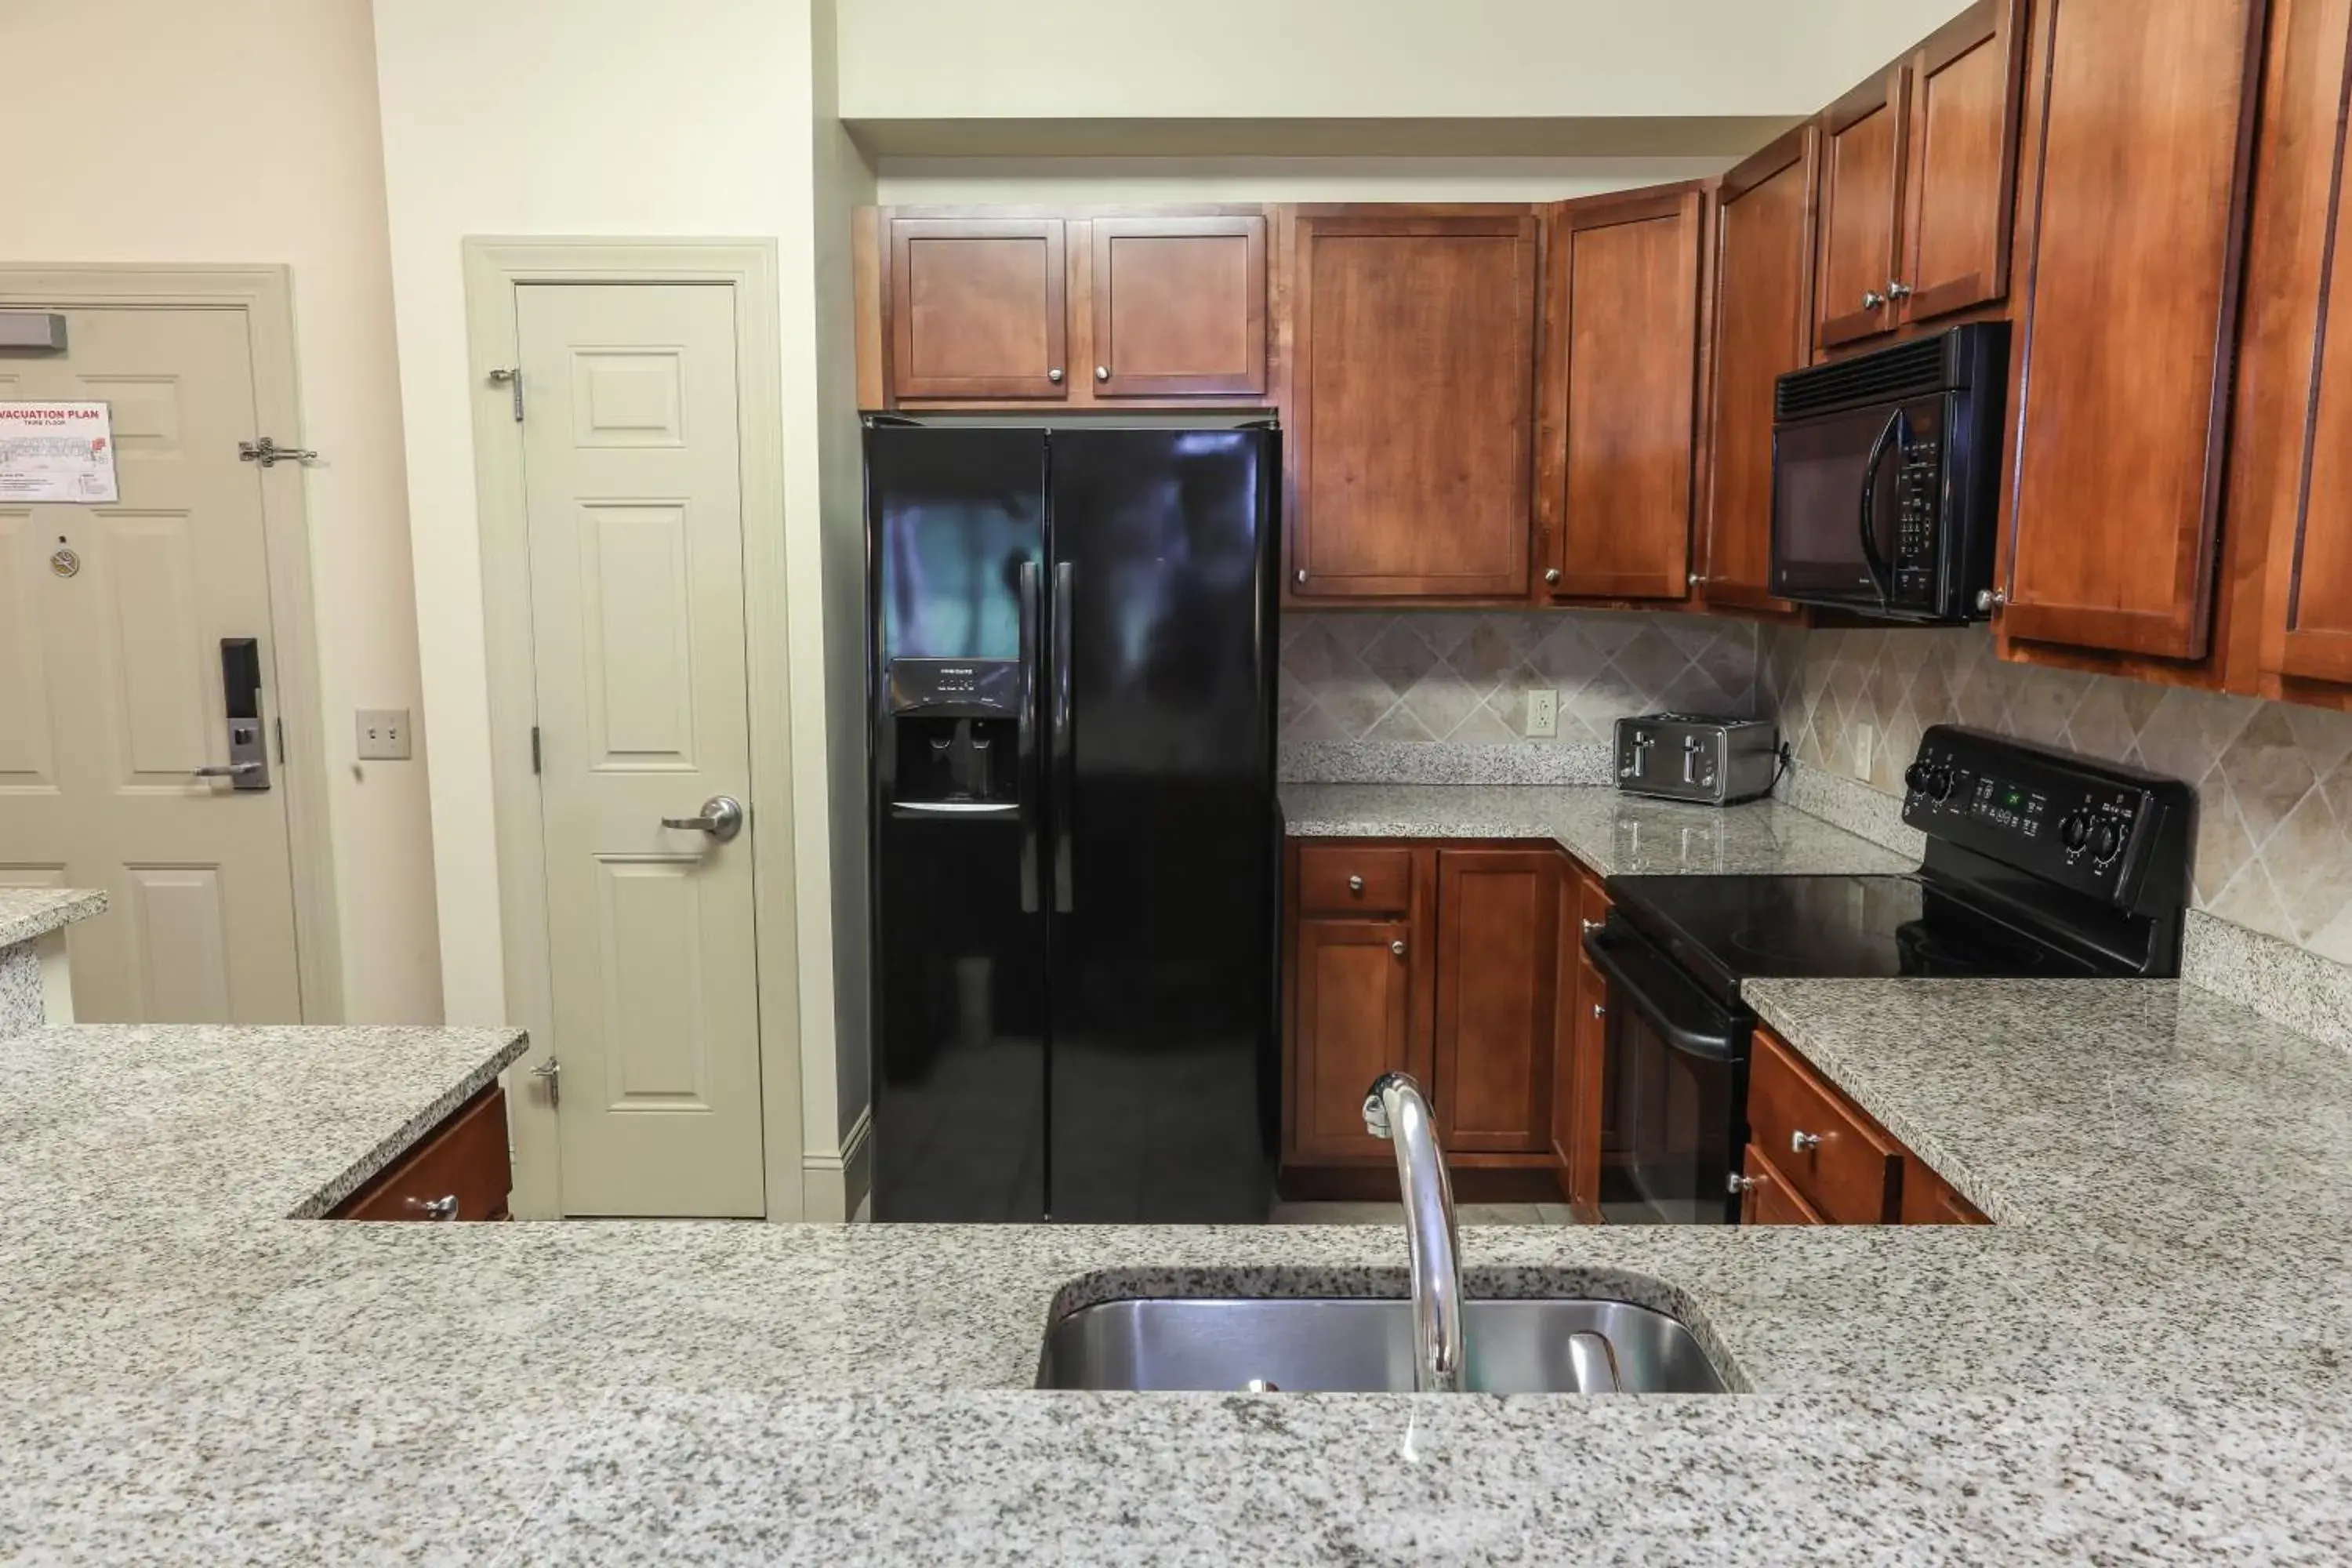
(247, 767)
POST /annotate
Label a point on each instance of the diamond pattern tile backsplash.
(1463, 677)
(2273, 779)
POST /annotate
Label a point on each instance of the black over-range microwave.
(1885, 476)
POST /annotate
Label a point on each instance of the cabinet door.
(1862, 193)
(1624, 320)
(1411, 404)
(1497, 968)
(978, 308)
(1354, 1023)
(1769, 1199)
(2295, 423)
(1962, 179)
(1762, 323)
(1178, 307)
(2138, 120)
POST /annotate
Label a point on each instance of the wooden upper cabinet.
(1497, 967)
(1354, 997)
(978, 308)
(2292, 465)
(1178, 307)
(1762, 278)
(1622, 395)
(1410, 406)
(2138, 122)
(1961, 183)
(1861, 200)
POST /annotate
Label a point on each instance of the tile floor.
(1394, 1213)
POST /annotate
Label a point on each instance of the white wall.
(243, 131)
(910, 181)
(607, 118)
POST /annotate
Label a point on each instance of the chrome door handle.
(1898, 291)
(550, 1073)
(1802, 1142)
(443, 1207)
(225, 770)
(722, 818)
(1872, 299)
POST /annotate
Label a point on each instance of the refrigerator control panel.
(951, 688)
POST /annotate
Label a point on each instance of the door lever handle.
(225, 770)
(722, 818)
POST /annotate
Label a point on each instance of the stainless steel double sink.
(1350, 1346)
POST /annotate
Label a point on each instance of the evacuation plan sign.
(57, 452)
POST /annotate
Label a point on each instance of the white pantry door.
(111, 625)
(633, 493)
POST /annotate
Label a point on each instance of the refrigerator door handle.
(1065, 750)
(1026, 734)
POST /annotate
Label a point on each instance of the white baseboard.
(833, 1187)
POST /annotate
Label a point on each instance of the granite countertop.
(29, 912)
(2150, 1358)
(1613, 833)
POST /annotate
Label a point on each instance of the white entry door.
(633, 493)
(111, 619)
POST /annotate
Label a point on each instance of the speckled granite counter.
(2152, 1361)
(28, 915)
(1613, 833)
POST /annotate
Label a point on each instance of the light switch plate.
(1543, 714)
(384, 735)
(1864, 735)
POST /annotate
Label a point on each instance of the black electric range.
(2039, 863)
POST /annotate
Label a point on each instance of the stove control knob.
(2075, 831)
(1939, 783)
(2106, 843)
(1918, 776)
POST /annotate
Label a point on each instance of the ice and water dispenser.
(955, 732)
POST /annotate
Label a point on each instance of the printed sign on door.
(57, 452)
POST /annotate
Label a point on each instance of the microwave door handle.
(1882, 576)
(1026, 734)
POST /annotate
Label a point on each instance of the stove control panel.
(2101, 828)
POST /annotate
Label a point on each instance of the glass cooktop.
(1724, 930)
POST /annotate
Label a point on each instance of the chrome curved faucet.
(1394, 1109)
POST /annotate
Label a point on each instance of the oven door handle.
(1881, 576)
(1643, 979)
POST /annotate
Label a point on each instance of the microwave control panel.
(2089, 825)
(1918, 493)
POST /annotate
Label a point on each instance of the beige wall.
(1287, 179)
(242, 132)
(1252, 60)
(625, 124)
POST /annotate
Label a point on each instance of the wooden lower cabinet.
(1354, 997)
(1497, 974)
(1582, 1130)
(458, 1171)
(1814, 1157)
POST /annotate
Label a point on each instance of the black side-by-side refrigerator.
(1076, 843)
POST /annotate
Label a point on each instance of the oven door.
(1678, 1066)
(1836, 508)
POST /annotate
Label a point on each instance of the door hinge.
(512, 378)
(269, 454)
(534, 748)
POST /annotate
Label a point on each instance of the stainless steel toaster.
(1685, 756)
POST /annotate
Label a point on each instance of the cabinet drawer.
(1335, 880)
(464, 1158)
(1769, 1199)
(1929, 1199)
(1832, 1156)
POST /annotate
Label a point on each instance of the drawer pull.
(1355, 884)
(1803, 1142)
(1397, 947)
(1593, 925)
(1736, 1183)
(443, 1207)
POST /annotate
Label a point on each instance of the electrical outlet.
(1863, 738)
(384, 735)
(1543, 714)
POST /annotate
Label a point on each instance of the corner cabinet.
(1081, 309)
(2139, 117)
(1761, 277)
(1410, 414)
(1918, 175)
(1622, 394)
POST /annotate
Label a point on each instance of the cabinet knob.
(444, 1207)
(1803, 1142)
(1355, 884)
(1598, 1011)
(1102, 372)
(1592, 925)
(1872, 299)
(1898, 291)
(1990, 599)
(1552, 574)
(1301, 575)
(1055, 375)
(1397, 947)
(1737, 1184)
